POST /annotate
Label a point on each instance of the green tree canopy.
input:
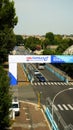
(65, 43)
(7, 14)
(32, 43)
(48, 52)
(50, 36)
(8, 20)
(5, 100)
(45, 43)
(19, 40)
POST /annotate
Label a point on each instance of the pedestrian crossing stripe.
(42, 83)
(54, 107)
(55, 83)
(63, 107)
(51, 83)
(38, 83)
(35, 83)
(66, 108)
(48, 83)
(45, 83)
(58, 83)
(70, 106)
(71, 83)
(60, 107)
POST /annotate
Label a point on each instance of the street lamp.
(54, 100)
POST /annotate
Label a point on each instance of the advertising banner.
(29, 58)
(61, 58)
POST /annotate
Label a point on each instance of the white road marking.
(42, 83)
(62, 83)
(65, 84)
(65, 107)
(55, 107)
(52, 83)
(49, 83)
(35, 83)
(55, 83)
(60, 107)
(45, 83)
(24, 108)
(59, 83)
(38, 83)
(70, 106)
(26, 113)
(27, 119)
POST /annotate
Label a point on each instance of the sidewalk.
(22, 79)
(31, 118)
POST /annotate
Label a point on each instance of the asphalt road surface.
(63, 102)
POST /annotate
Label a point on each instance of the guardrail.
(49, 116)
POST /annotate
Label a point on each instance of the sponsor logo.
(37, 58)
(56, 59)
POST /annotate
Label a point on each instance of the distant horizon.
(43, 34)
(37, 17)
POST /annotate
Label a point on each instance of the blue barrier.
(56, 73)
(30, 77)
(49, 116)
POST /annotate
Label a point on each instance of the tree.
(7, 42)
(19, 40)
(32, 43)
(38, 47)
(8, 20)
(45, 43)
(48, 52)
(5, 100)
(62, 46)
(50, 36)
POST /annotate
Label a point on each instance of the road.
(63, 102)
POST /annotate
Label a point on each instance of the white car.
(41, 66)
(36, 72)
(15, 106)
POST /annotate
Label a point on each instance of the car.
(41, 66)
(38, 75)
(36, 72)
(42, 79)
(15, 106)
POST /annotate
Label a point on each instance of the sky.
(37, 17)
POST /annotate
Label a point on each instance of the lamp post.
(54, 100)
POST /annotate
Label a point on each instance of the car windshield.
(36, 71)
(42, 78)
(39, 75)
(14, 105)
